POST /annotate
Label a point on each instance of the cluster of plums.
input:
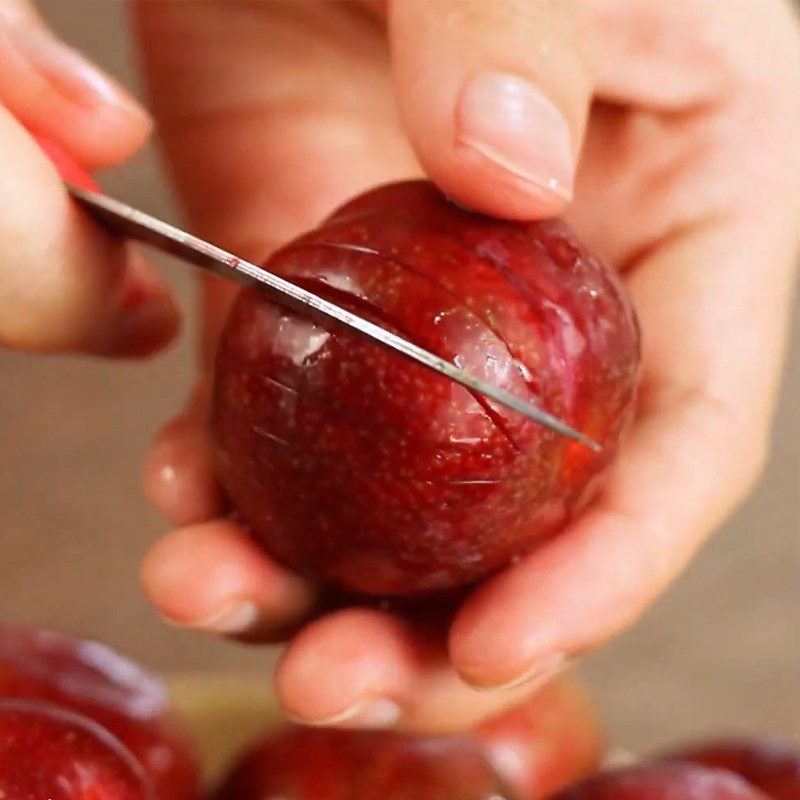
(80, 722)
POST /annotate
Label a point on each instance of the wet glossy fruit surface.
(772, 766)
(663, 782)
(47, 753)
(317, 764)
(93, 679)
(547, 742)
(361, 469)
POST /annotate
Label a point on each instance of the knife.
(134, 224)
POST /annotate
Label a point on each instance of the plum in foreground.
(363, 470)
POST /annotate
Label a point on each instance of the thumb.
(494, 98)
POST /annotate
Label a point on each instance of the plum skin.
(329, 764)
(366, 472)
(90, 678)
(663, 781)
(49, 752)
(770, 765)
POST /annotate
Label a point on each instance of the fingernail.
(367, 713)
(537, 674)
(231, 620)
(64, 68)
(511, 123)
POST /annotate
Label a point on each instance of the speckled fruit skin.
(92, 679)
(663, 782)
(318, 764)
(546, 743)
(365, 471)
(48, 753)
(770, 765)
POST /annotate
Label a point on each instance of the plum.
(771, 765)
(49, 753)
(368, 473)
(92, 679)
(319, 764)
(547, 742)
(667, 781)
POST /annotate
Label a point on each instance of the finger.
(379, 672)
(66, 284)
(54, 90)
(697, 448)
(179, 476)
(494, 97)
(550, 740)
(213, 578)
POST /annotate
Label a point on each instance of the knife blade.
(134, 224)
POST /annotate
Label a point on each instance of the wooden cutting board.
(224, 713)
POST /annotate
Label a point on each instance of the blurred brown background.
(719, 653)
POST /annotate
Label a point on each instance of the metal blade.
(135, 224)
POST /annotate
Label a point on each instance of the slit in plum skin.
(462, 304)
(517, 284)
(279, 384)
(266, 434)
(360, 305)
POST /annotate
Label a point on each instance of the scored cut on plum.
(547, 742)
(663, 781)
(49, 753)
(328, 764)
(769, 764)
(363, 470)
(90, 678)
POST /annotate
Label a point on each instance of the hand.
(66, 285)
(689, 181)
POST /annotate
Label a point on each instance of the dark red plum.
(318, 764)
(48, 753)
(367, 472)
(94, 680)
(772, 766)
(663, 781)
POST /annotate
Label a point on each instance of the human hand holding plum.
(688, 183)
